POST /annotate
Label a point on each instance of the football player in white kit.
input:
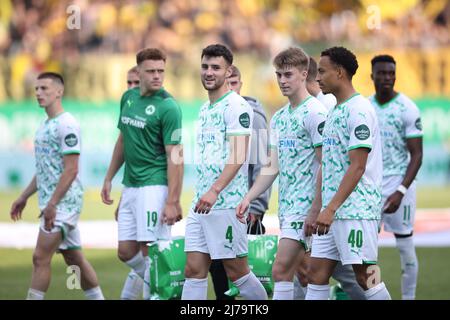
(401, 138)
(346, 229)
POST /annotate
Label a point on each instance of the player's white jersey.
(231, 115)
(350, 125)
(55, 138)
(295, 134)
(328, 100)
(399, 120)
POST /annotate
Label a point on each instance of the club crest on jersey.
(320, 127)
(418, 124)
(362, 132)
(71, 140)
(244, 120)
(150, 109)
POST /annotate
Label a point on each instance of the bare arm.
(267, 176)
(259, 158)
(316, 205)
(238, 155)
(68, 175)
(415, 149)
(175, 170)
(265, 179)
(18, 205)
(358, 159)
(117, 161)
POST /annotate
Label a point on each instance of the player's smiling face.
(151, 75)
(383, 76)
(214, 72)
(290, 79)
(47, 92)
(327, 75)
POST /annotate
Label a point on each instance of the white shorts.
(218, 233)
(401, 221)
(291, 227)
(140, 214)
(348, 241)
(66, 223)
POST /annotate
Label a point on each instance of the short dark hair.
(342, 57)
(218, 50)
(150, 54)
(235, 72)
(53, 76)
(312, 70)
(382, 58)
(292, 57)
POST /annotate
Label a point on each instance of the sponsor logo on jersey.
(386, 134)
(133, 122)
(71, 140)
(150, 109)
(362, 132)
(206, 137)
(287, 143)
(418, 124)
(330, 142)
(244, 120)
(42, 150)
(320, 127)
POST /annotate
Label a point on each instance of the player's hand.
(106, 193)
(17, 208)
(253, 217)
(241, 209)
(49, 213)
(206, 202)
(393, 202)
(310, 220)
(171, 213)
(324, 221)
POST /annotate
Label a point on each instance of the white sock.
(137, 263)
(250, 287)
(94, 294)
(299, 291)
(318, 292)
(146, 285)
(195, 289)
(379, 292)
(132, 287)
(283, 290)
(410, 267)
(34, 294)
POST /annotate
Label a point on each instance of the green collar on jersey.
(291, 110)
(384, 105)
(349, 98)
(220, 99)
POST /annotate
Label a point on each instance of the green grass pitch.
(15, 271)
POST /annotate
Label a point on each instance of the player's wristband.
(402, 189)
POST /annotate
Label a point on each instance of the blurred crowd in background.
(34, 35)
(93, 43)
